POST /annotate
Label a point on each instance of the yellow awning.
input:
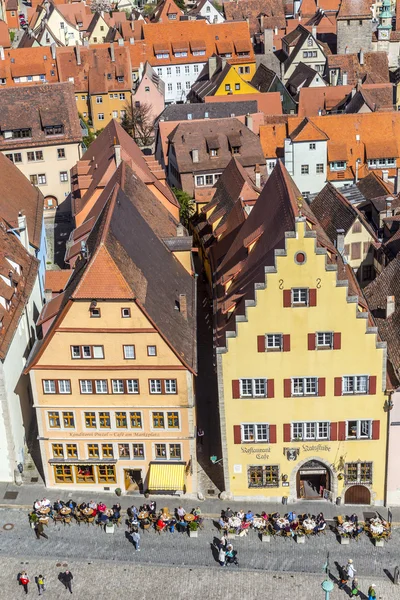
(166, 477)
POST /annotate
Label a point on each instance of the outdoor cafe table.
(376, 528)
(65, 511)
(44, 519)
(309, 524)
(282, 522)
(87, 512)
(109, 512)
(258, 523)
(143, 515)
(348, 526)
(235, 522)
(189, 518)
(45, 510)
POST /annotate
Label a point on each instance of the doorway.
(357, 494)
(133, 480)
(312, 479)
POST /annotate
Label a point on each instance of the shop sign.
(259, 453)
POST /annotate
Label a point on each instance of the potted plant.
(379, 541)
(344, 538)
(231, 533)
(33, 519)
(265, 535)
(110, 527)
(118, 491)
(193, 529)
(300, 536)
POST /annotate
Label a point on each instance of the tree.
(180, 4)
(98, 6)
(186, 206)
(138, 122)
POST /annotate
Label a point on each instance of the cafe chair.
(67, 520)
(89, 520)
(58, 518)
(146, 526)
(340, 520)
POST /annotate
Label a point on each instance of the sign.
(260, 453)
(237, 468)
(291, 453)
(316, 448)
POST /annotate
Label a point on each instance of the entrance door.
(357, 494)
(133, 480)
(312, 479)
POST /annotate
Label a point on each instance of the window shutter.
(338, 386)
(337, 341)
(311, 341)
(270, 388)
(375, 429)
(235, 388)
(272, 434)
(237, 434)
(286, 343)
(372, 385)
(261, 343)
(287, 388)
(321, 386)
(312, 297)
(287, 298)
(333, 436)
(286, 432)
(342, 430)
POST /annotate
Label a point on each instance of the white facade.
(306, 162)
(178, 79)
(209, 12)
(58, 28)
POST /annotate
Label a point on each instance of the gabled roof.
(302, 77)
(163, 9)
(375, 97)
(355, 9)
(375, 67)
(372, 186)
(263, 78)
(261, 14)
(181, 112)
(307, 131)
(206, 85)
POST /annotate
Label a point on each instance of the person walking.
(355, 591)
(136, 540)
(39, 530)
(40, 583)
(67, 578)
(351, 571)
(222, 556)
(348, 572)
(372, 592)
(24, 580)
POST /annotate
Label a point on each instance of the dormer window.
(54, 130)
(172, 16)
(17, 134)
(339, 165)
(213, 153)
(235, 149)
(242, 54)
(163, 55)
(120, 78)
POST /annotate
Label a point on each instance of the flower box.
(193, 533)
(301, 539)
(345, 541)
(231, 536)
(379, 543)
(265, 538)
(110, 528)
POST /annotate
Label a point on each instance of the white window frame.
(255, 382)
(326, 342)
(100, 387)
(299, 430)
(99, 350)
(132, 384)
(276, 340)
(49, 389)
(257, 433)
(304, 383)
(355, 381)
(86, 386)
(170, 386)
(64, 386)
(129, 352)
(300, 296)
(117, 386)
(155, 386)
(359, 426)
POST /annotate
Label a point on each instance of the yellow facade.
(245, 70)
(102, 108)
(285, 462)
(233, 83)
(111, 438)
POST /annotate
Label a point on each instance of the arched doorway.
(50, 202)
(313, 477)
(357, 494)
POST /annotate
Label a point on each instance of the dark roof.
(211, 110)
(206, 85)
(302, 77)
(378, 98)
(372, 186)
(263, 78)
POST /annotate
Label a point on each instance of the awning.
(167, 477)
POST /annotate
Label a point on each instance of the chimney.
(262, 21)
(361, 57)
(314, 32)
(320, 112)
(132, 41)
(117, 153)
(340, 241)
(346, 50)
(112, 52)
(2, 56)
(397, 182)
(258, 176)
(389, 201)
(276, 30)
(249, 121)
(23, 230)
(78, 53)
(212, 66)
(353, 91)
(183, 305)
(48, 294)
(385, 175)
(53, 51)
(268, 41)
(195, 156)
(180, 230)
(344, 78)
(390, 306)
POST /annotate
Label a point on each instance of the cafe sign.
(259, 453)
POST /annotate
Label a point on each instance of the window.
(123, 451)
(160, 451)
(258, 432)
(49, 386)
(106, 474)
(213, 153)
(187, 85)
(178, 70)
(263, 476)
(169, 86)
(64, 386)
(358, 430)
(199, 180)
(90, 420)
(155, 386)
(42, 179)
(209, 180)
(100, 116)
(121, 420)
(299, 297)
(120, 78)
(227, 87)
(99, 100)
(324, 339)
(104, 420)
(187, 70)
(170, 386)
(138, 450)
(20, 133)
(310, 430)
(169, 71)
(34, 156)
(196, 68)
(319, 168)
(117, 386)
(33, 179)
(250, 388)
(175, 451)
(235, 150)
(64, 179)
(54, 420)
(125, 313)
(310, 41)
(158, 420)
(356, 227)
(122, 96)
(147, 88)
(129, 352)
(136, 420)
(377, 163)
(72, 451)
(132, 386)
(93, 451)
(339, 165)
(68, 420)
(178, 86)
(355, 251)
(107, 450)
(237, 86)
(115, 114)
(305, 169)
(95, 313)
(358, 472)
(54, 130)
(173, 420)
(151, 350)
(63, 474)
(355, 384)
(273, 341)
(84, 474)
(86, 386)
(312, 146)
(60, 153)
(304, 386)
(58, 450)
(87, 351)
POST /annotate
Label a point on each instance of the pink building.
(150, 91)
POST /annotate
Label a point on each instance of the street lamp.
(327, 585)
(214, 460)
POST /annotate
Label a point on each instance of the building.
(52, 24)
(301, 412)
(113, 377)
(261, 15)
(301, 46)
(304, 77)
(150, 91)
(343, 98)
(21, 293)
(219, 78)
(354, 27)
(205, 9)
(199, 151)
(361, 67)
(41, 135)
(27, 66)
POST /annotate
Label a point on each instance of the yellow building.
(301, 371)
(113, 377)
(233, 83)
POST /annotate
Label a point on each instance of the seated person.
(353, 518)
(264, 515)
(286, 528)
(249, 516)
(182, 525)
(276, 526)
(152, 507)
(291, 516)
(92, 504)
(58, 505)
(228, 513)
(37, 505)
(134, 511)
(103, 519)
(196, 512)
(101, 507)
(275, 515)
(180, 512)
(240, 514)
(294, 525)
(71, 504)
(171, 524)
(320, 517)
(83, 506)
(46, 503)
(160, 523)
(223, 523)
(358, 530)
(117, 509)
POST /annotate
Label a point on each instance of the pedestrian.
(372, 592)
(350, 569)
(24, 580)
(67, 578)
(40, 583)
(355, 589)
(200, 435)
(347, 572)
(223, 540)
(136, 540)
(222, 556)
(39, 530)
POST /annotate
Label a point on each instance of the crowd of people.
(376, 527)
(40, 581)
(289, 524)
(147, 516)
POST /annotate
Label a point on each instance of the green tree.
(186, 206)
(180, 4)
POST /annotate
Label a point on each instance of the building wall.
(317, 63)
(209, 12)
(178, 79)
(241, 69)
(365, 239)
(236, 84)
(112, 106)
(393, 478)
(148, 93)
(111, 331)
(298, 155)
(99, 33)
(243, 360)
(354, 34)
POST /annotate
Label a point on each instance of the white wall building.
(178, 79)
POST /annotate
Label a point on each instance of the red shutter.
(286, 343)
(333, 432)
(372, 385)
(321, 386)
(237, 434)
(286, 432)
(270, 388)
(261, 343)
(337, 341)
(235, 388)
(375, 429)
(312, 297)
(342, 430)
(272, 434)
(311, 341)
(338, 386)
(287, 298)
(287, 388)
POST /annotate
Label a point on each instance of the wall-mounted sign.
(259, 453)
(291, 453)
(237, 468)
(316, 448)
(285, 484)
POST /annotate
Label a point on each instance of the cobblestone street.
(188, 566)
